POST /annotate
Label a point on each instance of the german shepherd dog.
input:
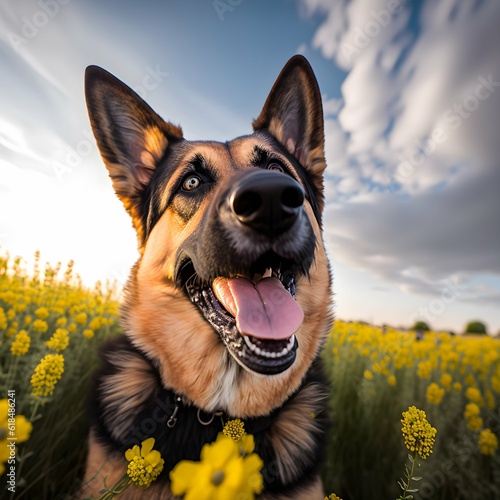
(229, 304)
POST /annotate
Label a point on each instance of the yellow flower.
(59, 340)
(490, 400)
(235, 429)
(474, 423)
(145, 464)
(495, 384)
(457, 386)
(3, 319)
(81, 318)
(47, 373)
(473, 394)
(72, 328)
(434, 394)
(21, 344)
(424, 369)
(40, 326)
(20, 430)
(446, 380)
(419, 436)
(368, 375)
(222, 473)
(471, 410)
(391, 379)
(27, 320)
(487, 442)
(61, 321)
(88, 333)
(332, 496)
(95, 323)
(42, 313)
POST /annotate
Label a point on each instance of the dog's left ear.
(131, 137)
(293, 114)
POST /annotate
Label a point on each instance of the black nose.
(268, 202)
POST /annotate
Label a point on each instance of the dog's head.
(231, 294)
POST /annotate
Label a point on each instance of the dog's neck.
(183, 408)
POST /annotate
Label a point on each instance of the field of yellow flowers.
(51, 327)
(379, 372)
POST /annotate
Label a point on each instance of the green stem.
(35, 409)
(121, 485)
(11, 374)
(410, 475)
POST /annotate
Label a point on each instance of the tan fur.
(160, 335)
(291, 434)
(101, 465)
(124, 395)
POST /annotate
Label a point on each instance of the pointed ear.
(131, 137)
(293, 114)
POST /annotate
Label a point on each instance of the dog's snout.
(268, 202)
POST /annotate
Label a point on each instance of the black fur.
(185, 440)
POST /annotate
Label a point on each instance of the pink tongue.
(265, 310)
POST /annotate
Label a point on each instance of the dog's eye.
(191, 182)
(276, 166)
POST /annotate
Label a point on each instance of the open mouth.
(254, 313)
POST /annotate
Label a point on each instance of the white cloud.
(433, 214)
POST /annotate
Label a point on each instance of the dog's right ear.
(131, 137)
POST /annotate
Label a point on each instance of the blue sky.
(411, 99)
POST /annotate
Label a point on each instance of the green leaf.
(410, 458)
(413, 491)
(416, 478)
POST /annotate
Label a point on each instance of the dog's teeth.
(248, 342)
(270, 354)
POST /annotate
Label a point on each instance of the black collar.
(215, 419)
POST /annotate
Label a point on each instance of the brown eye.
(191, 182)
(276, 166)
